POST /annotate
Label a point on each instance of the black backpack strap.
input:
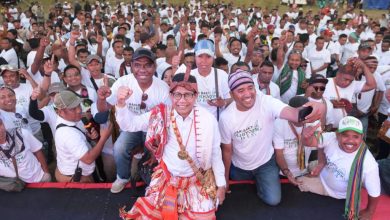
(64, 125)
(94, 83)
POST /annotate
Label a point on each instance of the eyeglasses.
(20, 117)
(319, 88)
(187, 96)
(143, 98)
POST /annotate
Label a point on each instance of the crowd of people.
(188, 97)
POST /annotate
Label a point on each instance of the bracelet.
(285, 171)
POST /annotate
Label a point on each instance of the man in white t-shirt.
(368, 102)
(315, 93)
(246, 128)
(210, 79)
(148, 91)
(21, 145)
(113, 61)
(341, 89)
(263, 81)
(8, 52)
(343, 149)
(291, 155)
(319, 57)
(74, 152)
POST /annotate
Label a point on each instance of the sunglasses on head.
(143, 98)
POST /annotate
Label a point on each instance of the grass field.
(241, 3)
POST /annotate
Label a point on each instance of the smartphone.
(303, 112)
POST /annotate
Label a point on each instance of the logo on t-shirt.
(336, 171)
(248, 132)
(205, 96)
(291, 143)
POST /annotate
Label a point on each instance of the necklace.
(182, 154)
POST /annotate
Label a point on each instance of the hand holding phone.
(303, 112)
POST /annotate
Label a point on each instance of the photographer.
(75, 157)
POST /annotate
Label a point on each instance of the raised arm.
(126, 119)
(43, 43)
(72, 49)
(281, 52)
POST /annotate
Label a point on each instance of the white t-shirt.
(38, 77)
(285, 139)
(10, 56)
(207, 90)
(31, 57)
(346, 93)
(318, 58)
(157, 93)
(250, 132)
(117, 68)
(232, 59)
(349, 51)
(335, 175)
(29, 168)
(384, 72)
(365, 100)
(71, 146)
(273, 88)
(111, 65)
(86, 79)
(329, 109)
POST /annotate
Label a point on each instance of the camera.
(77, 174)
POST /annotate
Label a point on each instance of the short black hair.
(268, 64)
(179, 77)
(220, 61)
(71, 66)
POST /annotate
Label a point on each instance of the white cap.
(350, 123)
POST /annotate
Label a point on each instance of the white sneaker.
(118, 186)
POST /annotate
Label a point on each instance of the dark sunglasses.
(143, 98)
(319, 88)
(20, 117)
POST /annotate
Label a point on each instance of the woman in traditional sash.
(189, 181)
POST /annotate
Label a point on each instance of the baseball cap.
(317, 78)
(233, 24)
(56, 88)
(143, 52)
(94, 57)
(8, 67)
(66, 99)
(364, 45)
(204, 47)
(350, 123)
